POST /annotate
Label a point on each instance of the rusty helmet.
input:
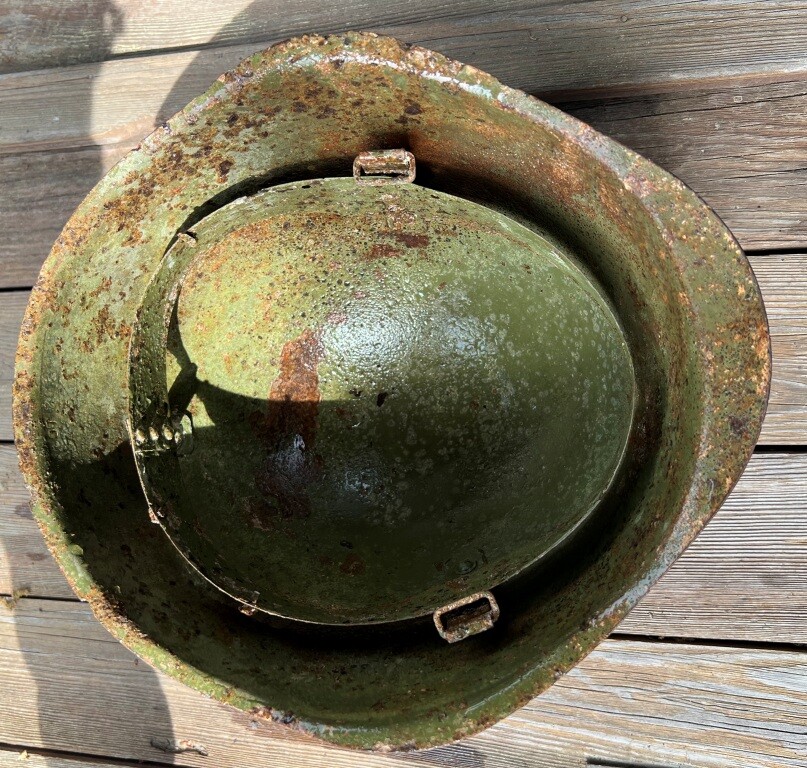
(370, 394)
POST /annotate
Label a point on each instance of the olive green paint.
(469, 399)
(685, 297)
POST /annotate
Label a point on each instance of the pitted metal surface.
(683, 293)
(386, 384)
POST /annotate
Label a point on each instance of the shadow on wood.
(127, 698)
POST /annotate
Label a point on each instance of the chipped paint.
(685, 296)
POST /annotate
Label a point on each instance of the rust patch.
(382, 251)
(104, 324)
(103, 287)
(297, 385)
(412, 241)
(288, 431)
(224, 169)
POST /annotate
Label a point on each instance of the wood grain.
(535, 45)
(26, 566)
(12, 308)
(783, 280)
(76, 689)
(743, 147)
(744, 577)
(22, 758)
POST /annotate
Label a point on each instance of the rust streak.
(382, 251)
(294, 396)
(289, 432)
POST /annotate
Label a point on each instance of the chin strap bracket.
(384, 166)
(469, 616)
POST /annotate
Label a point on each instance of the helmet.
(369, 394)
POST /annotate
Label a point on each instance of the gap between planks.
(744, 578)
(11, 757)
(21, 756)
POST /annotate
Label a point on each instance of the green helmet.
(363, 352)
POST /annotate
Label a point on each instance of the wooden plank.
(744, 577)
(543, 44)
(741, 146)
(12, 307)
(73, 688)
(783, 280)
(24, 758)
(26, 566)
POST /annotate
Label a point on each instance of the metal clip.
(466, 617)
(384, 166)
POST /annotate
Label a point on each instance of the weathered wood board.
(535, 44)
(745, 576)
(12, 307)
(12, 757)
(76, 689)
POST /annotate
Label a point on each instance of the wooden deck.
(710, 670)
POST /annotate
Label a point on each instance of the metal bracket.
(384, 166)
(469, 616)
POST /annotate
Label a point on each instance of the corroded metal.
(384, 166)
(391, 411)
(688, 310)
(466, 617)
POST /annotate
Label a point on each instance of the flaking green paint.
(684, 294)
(420, 398)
